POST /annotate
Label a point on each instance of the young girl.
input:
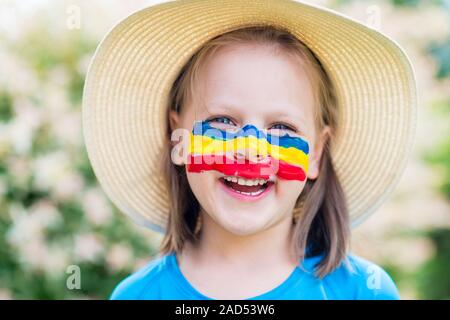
(233, 232)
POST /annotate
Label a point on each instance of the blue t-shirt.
(355, 278)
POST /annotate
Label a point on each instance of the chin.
(241, 230)
(243, 221)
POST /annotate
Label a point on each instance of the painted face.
(247, 152)
(247, 98)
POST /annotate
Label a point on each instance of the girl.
(233, 232)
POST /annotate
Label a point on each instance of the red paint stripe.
(245, 168)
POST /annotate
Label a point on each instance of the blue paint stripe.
(285, 141)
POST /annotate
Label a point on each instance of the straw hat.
(131, 73)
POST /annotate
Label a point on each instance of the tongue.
(242, 188)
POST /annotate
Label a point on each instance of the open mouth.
(246, 187)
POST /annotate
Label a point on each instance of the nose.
(250, 154)
(251, 150)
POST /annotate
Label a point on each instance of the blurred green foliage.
(441, 53)
(433, 277)
(440, 157)
(43, 52)
(6, 108)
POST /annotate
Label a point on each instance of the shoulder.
(146, 280)
(362, 279)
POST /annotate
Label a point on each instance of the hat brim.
(129, 78)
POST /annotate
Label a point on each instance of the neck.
(269, 247)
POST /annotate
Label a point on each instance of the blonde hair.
(320, 216)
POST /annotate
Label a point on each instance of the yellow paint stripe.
(207, 145)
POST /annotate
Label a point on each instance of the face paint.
(239, 153)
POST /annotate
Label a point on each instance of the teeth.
(245, 182)
(250, 193)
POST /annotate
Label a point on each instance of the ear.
(174, 120)
(174, 123)
(178, 139)
(316, 154)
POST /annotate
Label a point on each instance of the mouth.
(246, 189)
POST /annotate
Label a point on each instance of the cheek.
(289, 190)
(201, 185)
(197, 181)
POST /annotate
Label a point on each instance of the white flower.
(88, 247)
(20, 135)
(28, 225)
(19, 169)
(96, 207)
(55, 101)
(69, 185)
(67, 128)
(49, 169)
(28, 112)
(19, 131)
(56, 261)
(45, 213)
(23, 82)
(119, 257)
(24, 228)
(34, 253)
(59, 76)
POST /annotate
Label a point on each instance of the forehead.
(255, 78)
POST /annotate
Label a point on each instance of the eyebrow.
(282, 115)
(220, 108)
(231, 107)
(297, 119)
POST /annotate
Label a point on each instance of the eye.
(221, 122)
(281, 126)
(281, 129)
